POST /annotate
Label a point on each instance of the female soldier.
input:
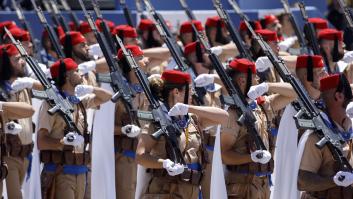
(177, 180)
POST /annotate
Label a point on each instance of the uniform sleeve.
(88, 101)
(45, 121)
(312, 156)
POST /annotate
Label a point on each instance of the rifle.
(57, 103)
(236, 98)
(121, 88)
(303, 47)
(234, 34)
(310, 32)
(127, 13)
(52, 35)
(73, 15)
(188, 12)
(173, 47)
(139, 9)
(103, 25)
(167, 127)
(309, 116)
(348, 34)
(3, 166)
(56, 15)
(26, 26)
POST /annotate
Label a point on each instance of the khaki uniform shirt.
(56, 125)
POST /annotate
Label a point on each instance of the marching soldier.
(249, 174)
(320, 175)
(65, 153)
(170, 179)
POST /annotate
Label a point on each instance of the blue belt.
(194, 166)
(67, 169)
(259, 174)
(126, 153)
(210, 148)
(274, 131)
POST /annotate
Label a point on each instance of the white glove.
(13, 128)
(179, 109)
(217, 50)
(287, 43)
(262, 64)
(131, 130)
(349, 110)
(73, 139)
(257, 90)
(348, 57)
(22, 83)
(343, 178)
(154, 76)
(81, 90)
(86, 67)
(95, 51)
(261, 156)
(172, 168)
(204, 80)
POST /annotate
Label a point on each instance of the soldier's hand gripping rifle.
(127, 13)
(25, 25)
(309, 31)
(309, 116)
(104, 27)
(236, 98)
(73, 15)
(188, 12)
(348, 33)
(117, 81)
(165, 125)
(234, 34)
(52, 35)
(303, 47)
(51, 94)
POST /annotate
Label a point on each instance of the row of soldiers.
(66, 154)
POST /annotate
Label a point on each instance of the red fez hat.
(213, 21)
(84, 28)
(329, 82)
(59, 30)
(302, 61)
(186, 27)
(146, 24)
(242, 65)
(110, 25)
(72, 26)
(10, 49)
(256, 26)
(269, 19)
(135, 50)
(7, 24)
(330, 34)
(126, 30)
(267, 35)
(191, 47)
(19, 34)
(176, 77)
(319, 23)
(76, 38)
(69, 63)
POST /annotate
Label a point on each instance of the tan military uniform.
(125, 147)
(18, 148)
(249, 180)
(321, 161)
(56, 183)
(163, 186)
